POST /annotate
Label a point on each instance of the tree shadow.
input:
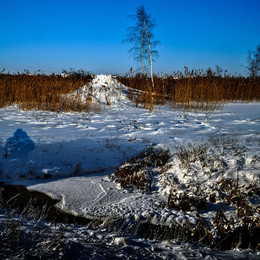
(20, 144)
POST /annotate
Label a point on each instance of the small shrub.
(191, 154)
(185, 202)
(138, 171)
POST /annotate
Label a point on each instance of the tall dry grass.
(42, 92)
(192, 90)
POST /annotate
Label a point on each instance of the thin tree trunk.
(142, 45)
(151, 65)
(142, 59)
(150, 56)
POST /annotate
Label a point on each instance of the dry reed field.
(41, 92)
(192, 90)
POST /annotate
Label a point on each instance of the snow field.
(69, 155)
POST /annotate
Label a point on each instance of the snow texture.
(70, 155)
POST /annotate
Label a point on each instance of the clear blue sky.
(59, 34)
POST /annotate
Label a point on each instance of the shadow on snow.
(19, 144)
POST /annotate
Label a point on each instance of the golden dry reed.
(193, 90)
(42, 92)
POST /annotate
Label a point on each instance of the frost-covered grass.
(207, 179)
(139, 171)
(25, 237)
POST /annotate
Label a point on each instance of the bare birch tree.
(140, 36)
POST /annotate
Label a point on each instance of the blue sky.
(61, 34)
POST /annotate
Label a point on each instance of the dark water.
(25, 201)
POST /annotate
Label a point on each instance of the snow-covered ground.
(70, 155)
(58, 241)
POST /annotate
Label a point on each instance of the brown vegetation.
(192, 90)
(138, 172)
(239, 228)
(42, 92)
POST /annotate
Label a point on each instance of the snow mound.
(104, 90)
